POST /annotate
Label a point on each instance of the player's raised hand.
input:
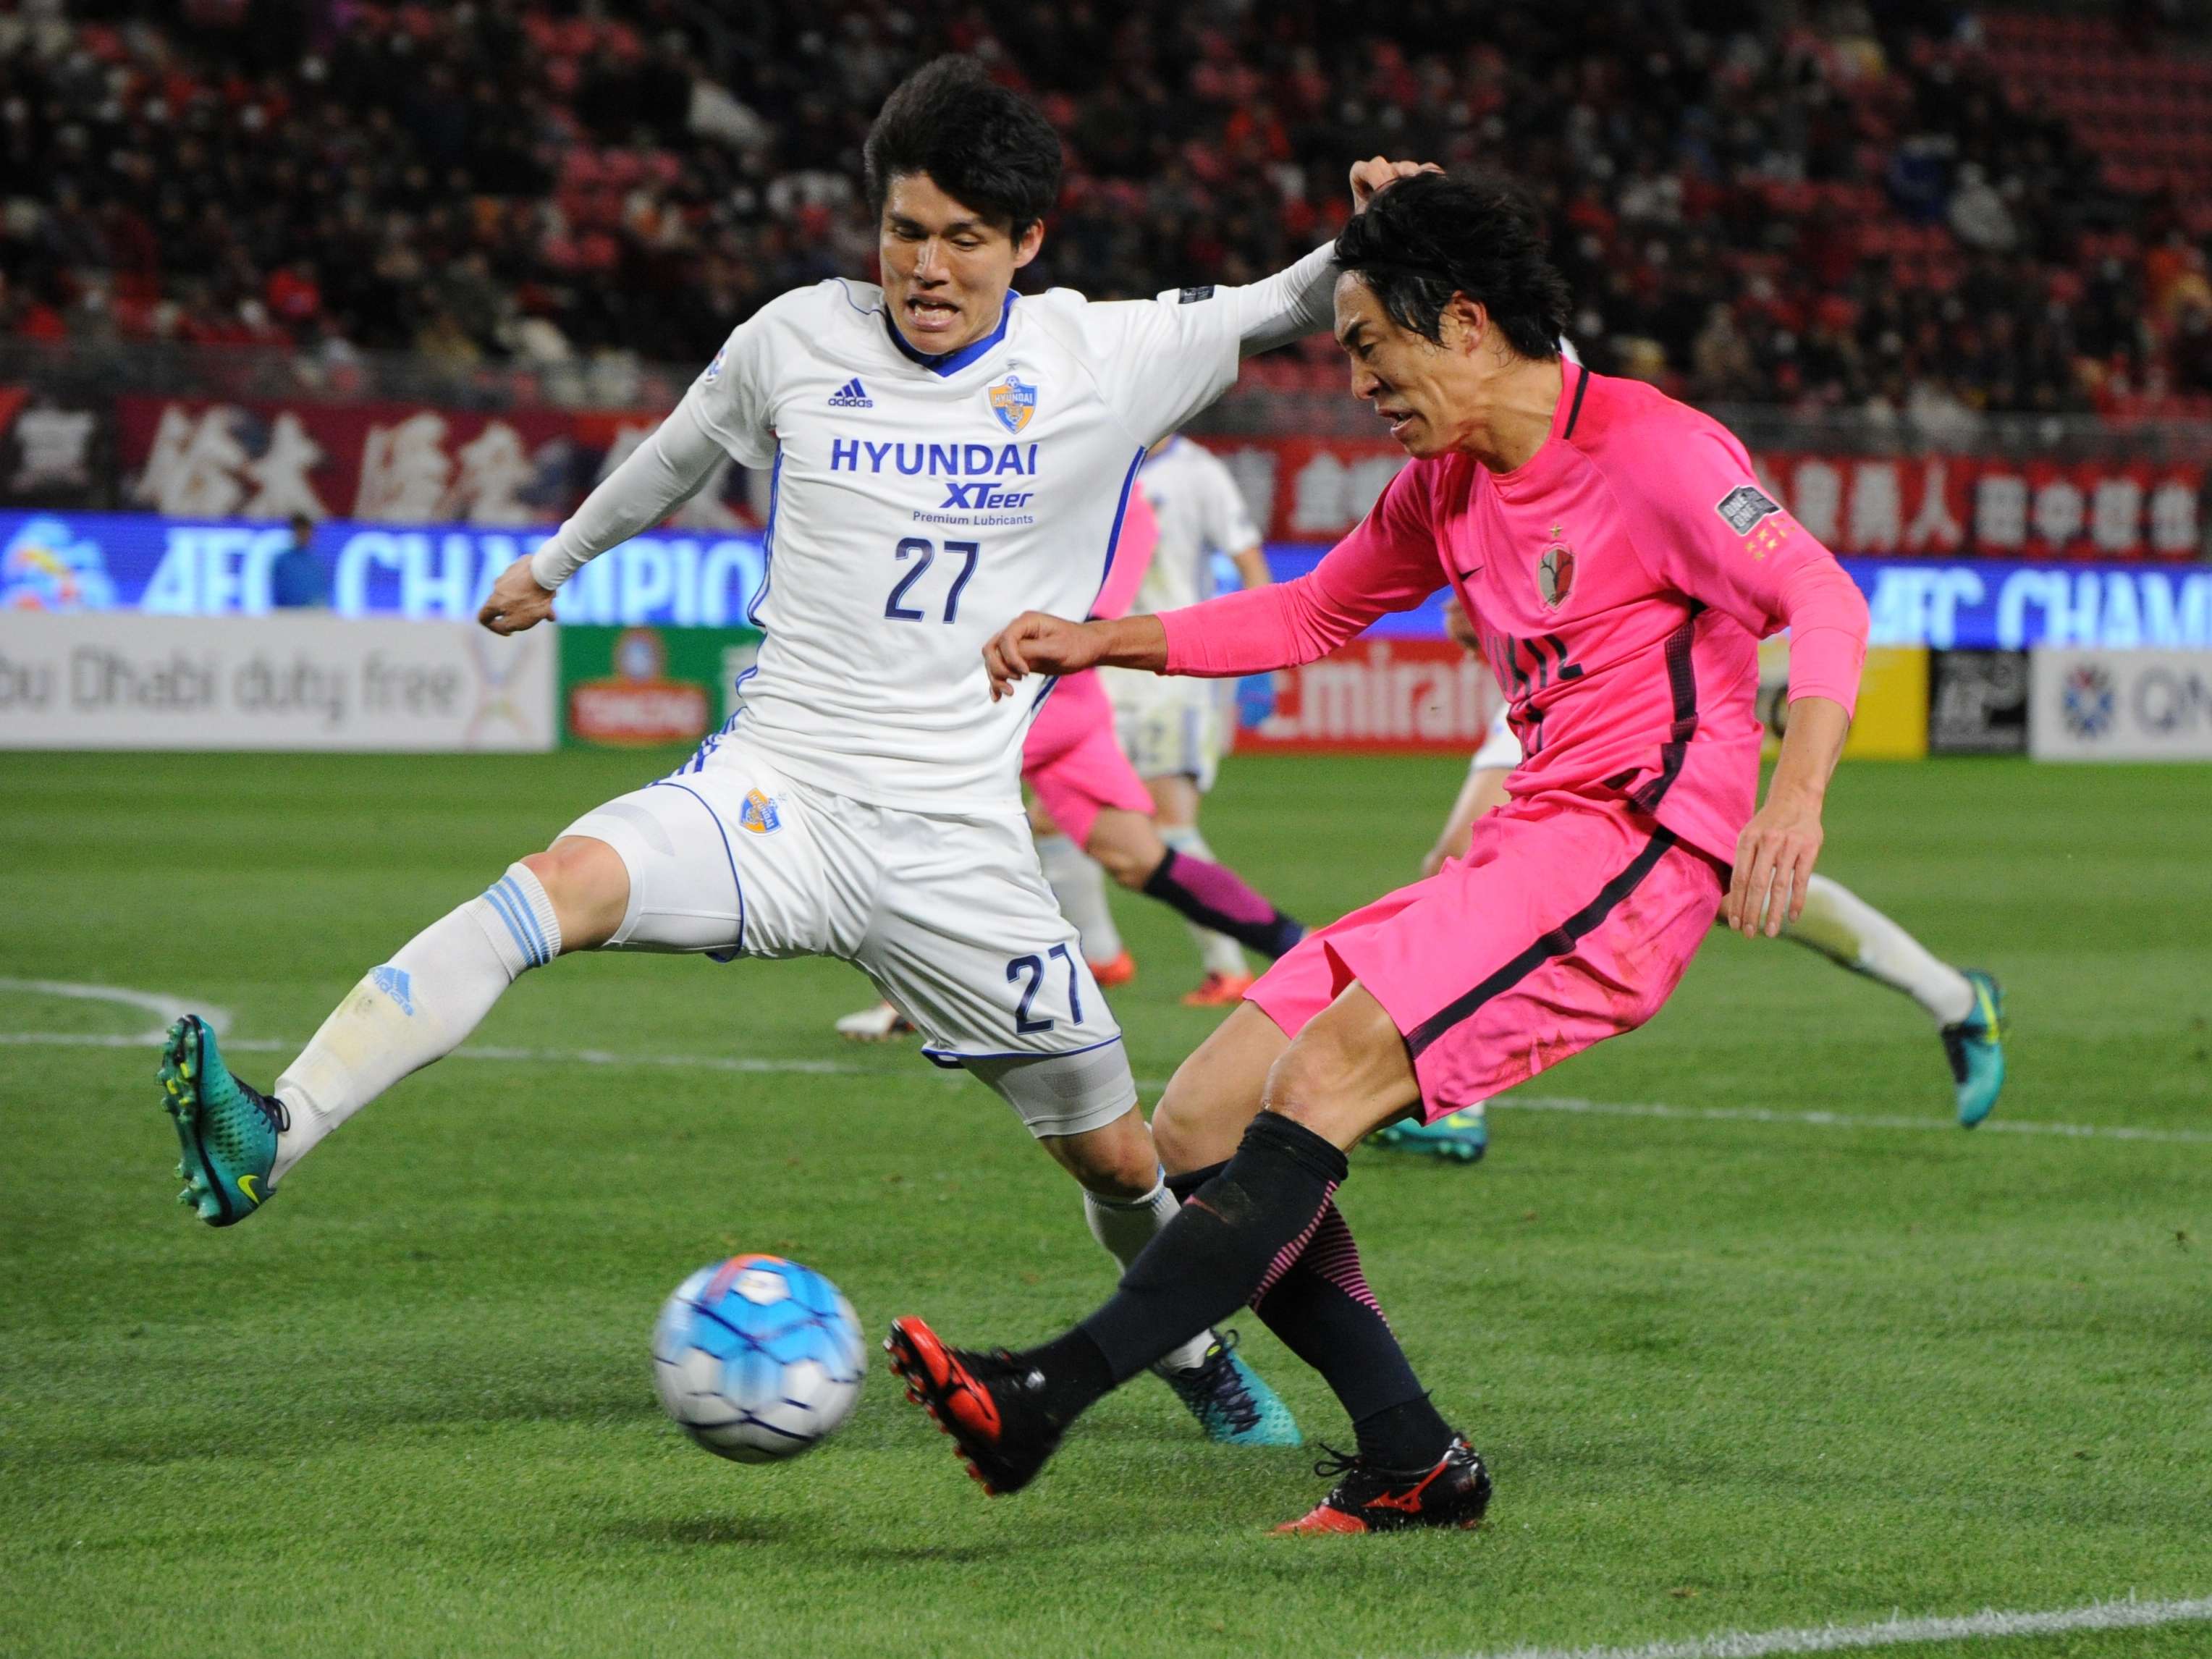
(518, 600)
(1044, 644)
(1377, 171)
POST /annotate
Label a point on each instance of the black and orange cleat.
(988, 1403)
(1454, 1492)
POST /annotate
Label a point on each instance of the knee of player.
(1303, 1075)
(1127, 847)
(589, 887)
(1315, 1079)
(1119, 1168)
(1179, 1141)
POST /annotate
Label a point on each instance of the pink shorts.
(1072, 760)
(1570, 920)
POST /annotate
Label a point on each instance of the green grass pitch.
(1732, 1374)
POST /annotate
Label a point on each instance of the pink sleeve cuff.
(1824, 662)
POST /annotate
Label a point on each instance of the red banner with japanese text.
(382, 462)
(1311, 490)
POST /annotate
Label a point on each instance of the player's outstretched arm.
(663, 471)
(1036, 643)
(1775, 855)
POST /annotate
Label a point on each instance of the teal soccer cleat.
(228, 1129)
(1975, 1048)
(1230, 1402)
(1462, 1136)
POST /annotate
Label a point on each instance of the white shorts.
(1170, 726)
(949, 915)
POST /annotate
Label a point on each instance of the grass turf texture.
(1730, 1374)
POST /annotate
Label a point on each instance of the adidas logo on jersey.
(851, 396)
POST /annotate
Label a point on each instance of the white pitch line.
(551, 1056)
(755, 1067)
(1895, 1632)
(164, 1009)
(2001, 1126)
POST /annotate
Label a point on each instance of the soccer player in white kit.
(945, 454)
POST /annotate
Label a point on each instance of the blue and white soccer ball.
(758, 1359)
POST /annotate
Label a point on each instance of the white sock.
(418, 1007)
(1846, 929)
(1080, 884)
(1125, 1226)
(1220, 953)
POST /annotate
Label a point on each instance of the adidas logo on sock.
(850, 396)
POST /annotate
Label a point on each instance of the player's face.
(946, 267)
(1415, 385)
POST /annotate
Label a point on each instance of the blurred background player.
(297, 580)
(1967, 1003)
(1175, 730)
(1090, 802)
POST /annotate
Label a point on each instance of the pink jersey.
(1621, 579)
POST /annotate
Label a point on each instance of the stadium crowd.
(1846, 216)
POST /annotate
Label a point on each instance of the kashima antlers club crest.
(1555, 573)
(1013, 402)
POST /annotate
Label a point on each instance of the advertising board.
(2092, 705)
(625, 686)
(115, 680)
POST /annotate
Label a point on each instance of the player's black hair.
(1425, 239)
(982, 145)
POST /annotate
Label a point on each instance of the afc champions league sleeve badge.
(1555, 573)
(1013, 400)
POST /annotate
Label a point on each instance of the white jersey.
(920, 504)
(1201, 512)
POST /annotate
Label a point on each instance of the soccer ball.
(757, 1358)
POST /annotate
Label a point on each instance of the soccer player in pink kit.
(1621, 565)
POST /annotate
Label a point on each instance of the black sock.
(1408, 1436)
(1182, 1186)
(1221, 1246)
(1076, 1374)
(1321, 1311)
(1213, 896)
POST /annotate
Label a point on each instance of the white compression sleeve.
(1287, 306)
(658, 476)
(1844, 928)
(1079, 885)
(418, 1007)
(1125, 1226)
(1220, 953)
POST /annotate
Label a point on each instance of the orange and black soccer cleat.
(1453, 1492)
(1218, 990)
(989, 1403)
(1119, 971)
